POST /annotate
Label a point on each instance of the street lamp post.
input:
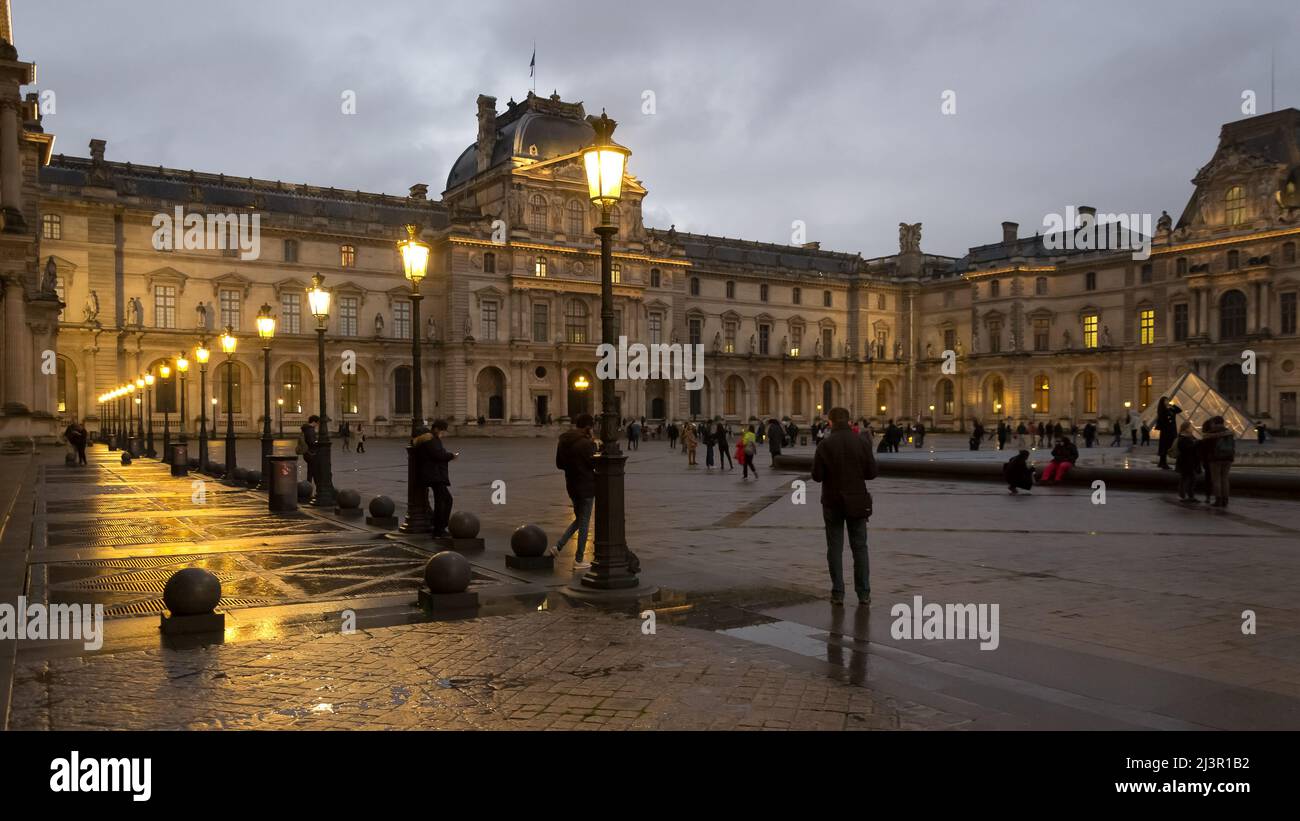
(165, 372)
(266, 330)
(279, 413)
(149, 449)
(319, 300)
(201, 353)
(228, 345)
(140, 400)
(415, 265)
(604, 162)
(182, 367)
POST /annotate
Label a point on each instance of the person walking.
(976, 434)
(689, 443)
(673, 432)
(1089, 434)
(1261, 432)
(432, 458)
(843, 464)
(634, 435)
(918, 435)
(346, 435)
(720, 441)
(1187, 462)
(1146, 436)
(1018, 473)
(77, 437)
(747, 448)
(774, 437)
(1117, 434)
(1223, 449)
(1004, 433)
(1167, 428)
(709, 437)
(361, 439)
(306, 445)
(1064, 455)
(574, 454)
(1133, 421)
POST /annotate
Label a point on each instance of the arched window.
(1144, 390)
(347, 256)
(574, 227)
(947, 397)
(882, 397)
(537, 213)
(1231, 382)
(165, 394)
(1234, 202)
(402, 391)
(732, 395)
(1042, 394)
(575, 321)
(1232, 315)
(228, 380)
(995, 395)
(293, 387)
(348, 394)
(799, 405)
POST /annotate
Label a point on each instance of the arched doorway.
(1085, 394)
(800, 393)
(733, 399)
(491, 385)
(945, 398)
(767, 397)
(994, 403)
(657, 392)
(884, 397)
(581, 386)
(828, 395)
(1232, 383)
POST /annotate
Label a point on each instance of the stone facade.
(512, 298)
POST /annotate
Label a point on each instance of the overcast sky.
(766, 112)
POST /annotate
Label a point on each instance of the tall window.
(731, 396)
(762, 293)
(52, 226)
(695, 286)
(348, 393)
(291, 250)
(348, 256)
(1089, 392)
(539, 267)
(729, 336)
(656, 328)
(880, 302)
(616, 273)
(1288, 253)
(230, 307)
(1090, 331)
(575, 321)
(402, 319)
(541, 322)
(164, 306)
(1234, 260)
(796, 294)
(1090, 281)
(826, 299)
(731, 289)
(490, 262)
(1147, 326)
(950, 339)
(402, 391)
(488, 320)
(1042, 394)
(995, 288)
(292, 388)
(1040, 286)
(1180, 322)
(1232, 315)
(1287, 301)
(995, 337)
(828, 338)
(290, 313)
(1180, 266)
(1144, 390)
(764, 338)
(348, 306)
(882, 343)
(1235, 205)
(796, 339)
(1042, 329)
(575, 214)
(537, 213)
(695, 330)
(228, 379)
(948, 398)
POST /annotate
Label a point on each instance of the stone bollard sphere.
(381, 507)
(447, 572)
(192, 591)
(349, 498)
(528, 540)
(463, 525)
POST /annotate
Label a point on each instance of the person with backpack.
(720, 441)
(843, 464)
(77, 437)
(306, 446)
(1222, 452)
(746, 449)
(1064, 455)
(431, 457)
(1018, 473)
(1187, 462)
(574, 454)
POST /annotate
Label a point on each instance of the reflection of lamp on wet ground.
(182, 367)
(415, 265)
(149, 449)
(164, 373)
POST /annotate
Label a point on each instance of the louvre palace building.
(511, 320)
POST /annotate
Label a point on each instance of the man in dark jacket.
(775, 435)
(842, 464)
(1018, 473)
(574, 455)
(306, 447)
(432, 457)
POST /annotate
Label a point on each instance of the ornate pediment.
(1232, 160)
(232, 280)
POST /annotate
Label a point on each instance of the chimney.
(1090, 212)
(419, 191)
(487, 130)
(1009, 232)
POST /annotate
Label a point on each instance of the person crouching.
(1018, 473)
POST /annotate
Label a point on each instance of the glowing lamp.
(604, 161)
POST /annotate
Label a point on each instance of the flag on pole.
(532, 64)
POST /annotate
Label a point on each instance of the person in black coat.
(574, 454)
(77, 437)
(1167, 427)
(432, 458)
(724, 452)
(775, 435)
(842, 464)
(306, 447)
(1018, 473)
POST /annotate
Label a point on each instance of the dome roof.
(538, 128)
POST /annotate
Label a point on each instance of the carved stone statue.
(898, 350)
(133, 312)
(431, 330)
(92, 307)
(1065, 340)
(960, 349)
(974, 341)
(50, 280)
(785, 347)
(1105, 336)
(379, 324)
(909, 238)
(202, 311)
(469, 327)
(817, 347)
(1165, 223)
(753, 344)
(717, 342)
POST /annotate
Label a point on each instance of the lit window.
(1147, 326)
(1090, 331)
(616, 273)
(402, 319)
(1235, 205)
(348, 256)
(1089, 392)
(1144, 391)
(729, 336)
(575, 321)
(1042, 394)
(293, 387)
(539, 267)
(230, 308)
(52, 226)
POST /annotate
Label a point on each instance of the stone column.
(11, 172)
(17, 397)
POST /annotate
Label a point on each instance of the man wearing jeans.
(573, 455)
(843, 464)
